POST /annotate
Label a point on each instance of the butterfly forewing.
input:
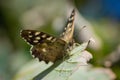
(34, 37)
(67, 35)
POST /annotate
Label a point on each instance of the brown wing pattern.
(34, 37)
(67, 35)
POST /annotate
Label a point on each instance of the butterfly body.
(48, 48)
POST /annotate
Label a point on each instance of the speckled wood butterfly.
(48, 48)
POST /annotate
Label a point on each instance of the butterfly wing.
(45, 47)
(34, 37)
(67, 35)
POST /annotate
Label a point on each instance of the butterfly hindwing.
(48, 51)
(34, 37)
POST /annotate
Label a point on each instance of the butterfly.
(46, 47)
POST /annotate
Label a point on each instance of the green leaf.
(78, 58)
(31, 69)
(34, 68)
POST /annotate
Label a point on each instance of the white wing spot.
(44, 35)
(35, 41)
(44, 50)
(70, 19)
(63, 33)
(38, 38)
(30, 36)
(65, 28)
(37, 33)
(54, 40)
(29, 32)
(49, 38)
(69, 25)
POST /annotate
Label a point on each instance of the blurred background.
(101, 18)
